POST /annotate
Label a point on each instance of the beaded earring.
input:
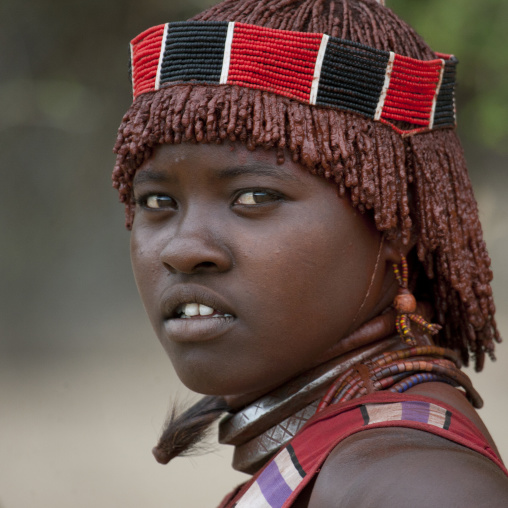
(405, 305)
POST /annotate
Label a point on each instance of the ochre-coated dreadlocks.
(417, 186)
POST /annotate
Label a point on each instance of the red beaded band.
(312, 68)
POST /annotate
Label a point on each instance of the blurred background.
(84, 385)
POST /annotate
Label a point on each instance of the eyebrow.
(280, 172)
(151, 175)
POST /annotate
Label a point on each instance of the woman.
(295, 186)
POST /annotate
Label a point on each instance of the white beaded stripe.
(227, 54)
(317, 69)
(132, 67)
(386, 85)
(438, 89)
(161, 57)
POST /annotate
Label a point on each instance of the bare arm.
(400, 468)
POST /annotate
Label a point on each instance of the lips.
(194, 313)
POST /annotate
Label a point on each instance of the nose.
(197, 245)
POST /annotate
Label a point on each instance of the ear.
(394, 247)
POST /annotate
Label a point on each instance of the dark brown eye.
(158, 202)
(255, 198)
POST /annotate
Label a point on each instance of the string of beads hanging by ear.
(405, 305)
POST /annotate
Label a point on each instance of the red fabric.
(322, 433)
(326, 430)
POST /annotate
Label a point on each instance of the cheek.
(351, 254)
(315, 280)
(146, 267)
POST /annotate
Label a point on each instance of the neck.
(183, 432)
(263, 422)
(359, 342)
(371, 359)
(368, 360)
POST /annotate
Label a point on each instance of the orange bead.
(404, 302)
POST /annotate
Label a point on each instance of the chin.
(216, 383)
(220, 381)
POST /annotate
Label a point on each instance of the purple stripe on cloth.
(273, 486)
(416, 411)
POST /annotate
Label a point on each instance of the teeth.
(189, 310)
(204, 310)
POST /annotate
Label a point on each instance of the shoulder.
(405, 467)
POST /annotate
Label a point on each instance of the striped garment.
(278, 484)
(409, 411)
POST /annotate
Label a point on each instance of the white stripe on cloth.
(437, 416)
(253, 498)
(384, 412)
(287, 469)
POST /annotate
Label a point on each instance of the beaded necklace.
(262, 428)
(259, 430)
(397, 371)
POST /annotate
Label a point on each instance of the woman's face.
(249, 270)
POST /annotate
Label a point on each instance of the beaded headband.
(312, 68)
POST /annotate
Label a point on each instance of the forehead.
(218, 162)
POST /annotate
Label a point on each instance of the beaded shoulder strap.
(312, 68)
